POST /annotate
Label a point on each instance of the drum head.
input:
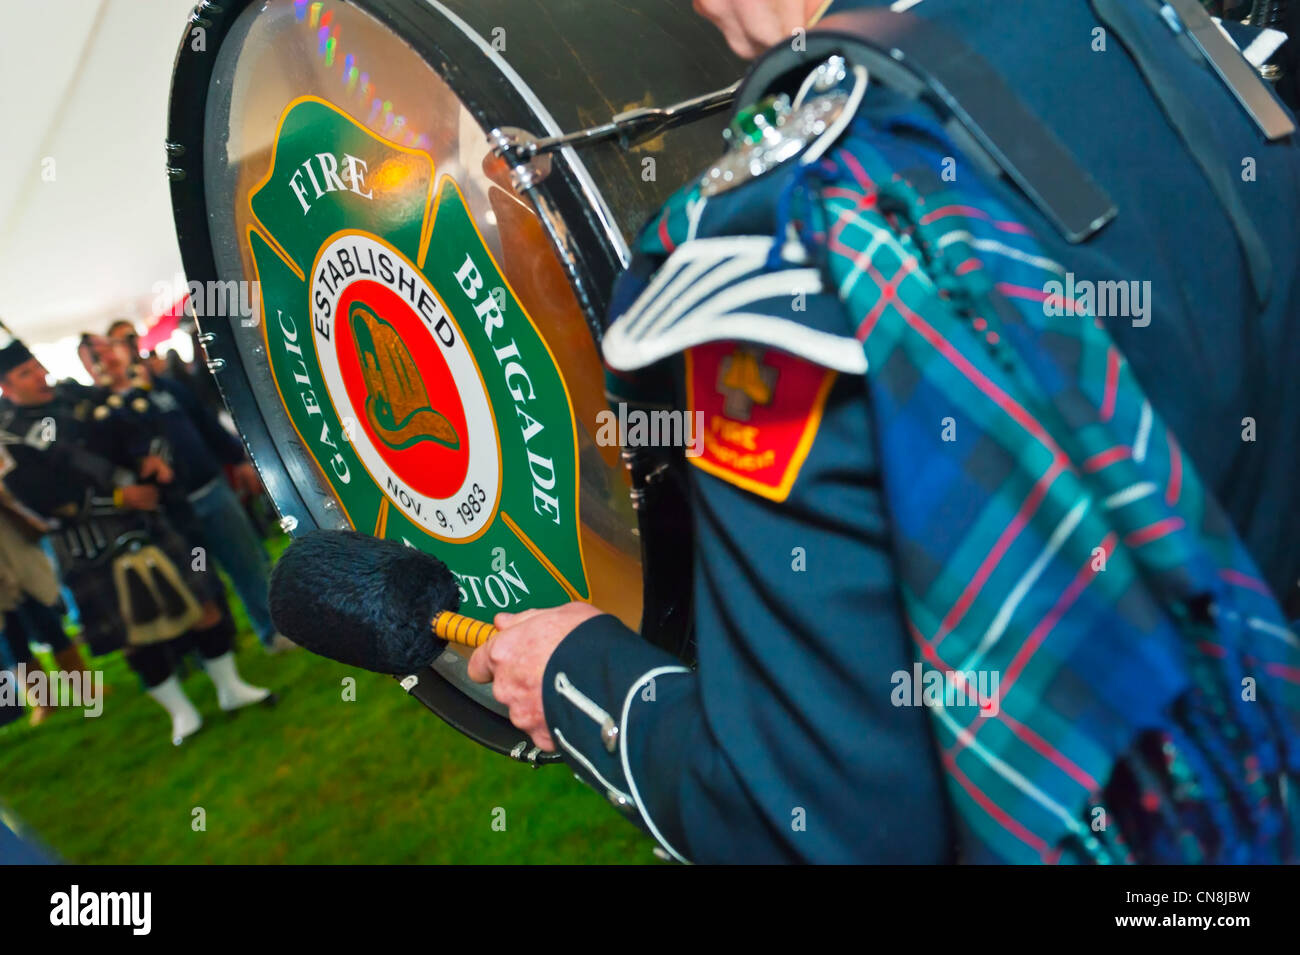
(409, 357)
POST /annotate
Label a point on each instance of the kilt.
(90, 577)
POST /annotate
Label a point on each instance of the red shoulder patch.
(762, 408)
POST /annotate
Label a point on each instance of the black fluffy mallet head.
(362, 601)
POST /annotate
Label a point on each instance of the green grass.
(314, 780)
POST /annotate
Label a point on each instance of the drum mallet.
(369, 603)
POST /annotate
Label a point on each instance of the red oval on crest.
(406, 399)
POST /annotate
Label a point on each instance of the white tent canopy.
(85, 214)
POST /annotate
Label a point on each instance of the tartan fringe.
(1194, 791)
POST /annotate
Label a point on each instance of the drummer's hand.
(155, 467)
(751, 26)
(140, 497)
(515, 661)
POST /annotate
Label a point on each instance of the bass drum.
(413, 350)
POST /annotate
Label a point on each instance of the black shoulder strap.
(924, 59)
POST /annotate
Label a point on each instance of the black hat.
(12, 351)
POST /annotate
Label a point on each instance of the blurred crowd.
(119, 503)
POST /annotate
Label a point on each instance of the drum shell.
(588, 60)
(583, 62)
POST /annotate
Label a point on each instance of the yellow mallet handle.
(462, 631)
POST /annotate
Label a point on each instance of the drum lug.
(205, 340)
(512, 143)
(174, 151)
(640, 494)
(645, 472)
(526, 753)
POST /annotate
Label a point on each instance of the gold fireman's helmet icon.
(397, 404)
(745, 381)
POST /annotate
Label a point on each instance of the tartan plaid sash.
(1056, 535)
(1048, 530)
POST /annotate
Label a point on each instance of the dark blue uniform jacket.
(780, 745)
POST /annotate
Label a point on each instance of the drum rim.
(187, 109)
(548, 124)
(588, 244)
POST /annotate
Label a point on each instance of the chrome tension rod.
(628, 129)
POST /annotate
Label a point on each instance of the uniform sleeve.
(54, 489)
(41, 496)
(629, 721)
(786, 744)
(223, 444)
(122, 442)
